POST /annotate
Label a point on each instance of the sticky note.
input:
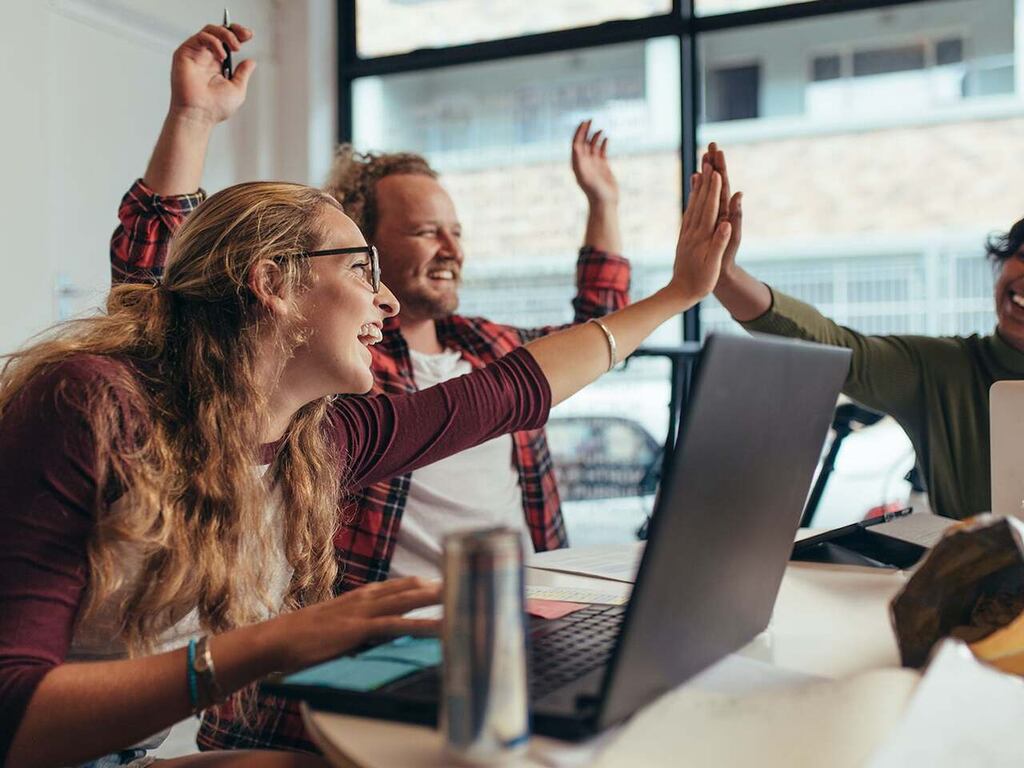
(551, 609)
(352, 674)
(418, 651)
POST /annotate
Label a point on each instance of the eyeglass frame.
(369, 250)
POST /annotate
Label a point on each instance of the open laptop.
(720, 537)
(1006, 421)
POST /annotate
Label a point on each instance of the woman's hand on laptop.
(371, 612)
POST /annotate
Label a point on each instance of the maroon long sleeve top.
(48, 487)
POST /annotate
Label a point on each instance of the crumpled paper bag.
(971, 587)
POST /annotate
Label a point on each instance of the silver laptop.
(720, 536)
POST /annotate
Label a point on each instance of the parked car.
(603, 457)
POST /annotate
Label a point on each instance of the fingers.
(723, 233)
(586, 143)
(205, 41)
(225, 34)
(709, 210)
(717, 160)
(698, 202)
(391, 586)
(382, 628)
(242, 73)
(403, 602)
(736, 209)
(214, 37)
(580, 137)
(242, 33)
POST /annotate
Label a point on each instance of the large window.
(397, 26)
(874, 147)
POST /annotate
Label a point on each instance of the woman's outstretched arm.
(573, 358)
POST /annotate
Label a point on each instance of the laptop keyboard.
(567, 649)
(561, 650)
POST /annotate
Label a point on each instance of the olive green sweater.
(936, 388)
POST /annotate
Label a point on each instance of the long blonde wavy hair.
(177, 430)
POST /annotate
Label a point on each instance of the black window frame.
(681, 22)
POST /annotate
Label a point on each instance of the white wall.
(84, 85)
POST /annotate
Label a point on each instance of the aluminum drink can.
(485, 701)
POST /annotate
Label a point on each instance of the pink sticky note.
(551, 609)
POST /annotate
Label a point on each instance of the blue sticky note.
(352, 674)
(418, 651)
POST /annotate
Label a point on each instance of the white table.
(829, 621)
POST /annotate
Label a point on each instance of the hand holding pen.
(203, 86)
(226, 69)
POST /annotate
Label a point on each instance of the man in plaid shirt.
(394, 527)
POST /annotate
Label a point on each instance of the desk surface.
(828, 621)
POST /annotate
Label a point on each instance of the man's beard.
(428, 305)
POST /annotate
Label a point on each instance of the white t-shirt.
(477, 488)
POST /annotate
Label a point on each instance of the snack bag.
(971, 587)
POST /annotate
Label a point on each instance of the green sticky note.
(352, 674)
(420, 652)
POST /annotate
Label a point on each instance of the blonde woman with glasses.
(171, 470)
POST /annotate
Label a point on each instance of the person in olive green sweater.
(937, 389)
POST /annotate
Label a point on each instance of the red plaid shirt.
(365, 541)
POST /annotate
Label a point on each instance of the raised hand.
(730, 207)
(703, 237)
(198, 90)
(590, 165)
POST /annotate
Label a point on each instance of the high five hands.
(706, 233)
(730, 206)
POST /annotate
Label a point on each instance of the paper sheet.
(919, 528)
(736, 675)
(551, 609)
(576, 595)
(963, 713)
(617, 562)
(772, 725)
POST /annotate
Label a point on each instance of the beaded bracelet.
(190, 670)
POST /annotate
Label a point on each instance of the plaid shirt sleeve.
(138, 248)
(602, 286)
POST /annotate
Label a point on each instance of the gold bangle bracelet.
(613, 359)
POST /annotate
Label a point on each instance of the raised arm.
(602, 273)
(885, 371)
(200, 99)
(155, 206)
(573, 358)
(388, 435)
(594, 176)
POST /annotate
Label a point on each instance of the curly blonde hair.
(178, 432)
(353, 179)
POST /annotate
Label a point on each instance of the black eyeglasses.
(372, 269)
